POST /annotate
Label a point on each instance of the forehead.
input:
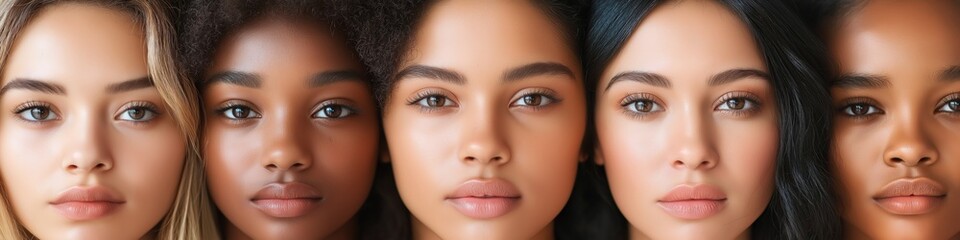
(877, 37)
(679, 36)
(461, 34)
(77, 42)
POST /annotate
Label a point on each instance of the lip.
(910, 196)
(287, 200)
(485, 199)
(86, 203)
(693, 202)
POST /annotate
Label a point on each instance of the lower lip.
(909, 205)
(692, 209)
(286, 208)
(484, 208)
(81, 211)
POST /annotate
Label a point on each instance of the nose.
(909, 145)
(287, 147)
(89, 148)
(697, 150)
(483, 140)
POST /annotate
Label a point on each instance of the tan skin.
(297, 111)
(900, 121)
(83, 132)
(462, 113)
(662, 124)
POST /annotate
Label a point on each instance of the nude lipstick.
(86, 203)
(910, 196)
(287, 200)
(693, 202)
(484, 199)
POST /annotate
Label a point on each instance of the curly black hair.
(203, 24)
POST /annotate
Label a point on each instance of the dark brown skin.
(289, 131)
(484, 129)
(653, 137)
(906, 125)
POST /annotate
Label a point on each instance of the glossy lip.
(910, 196)
(287, 200)
(693, 202)
(485, 198)
(86, 203)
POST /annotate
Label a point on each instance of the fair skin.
(897, 119)
(86, 143)
(288, 110)
(485, 122)
(687, 103)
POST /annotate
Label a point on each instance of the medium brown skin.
(906, 128)
(279, 132)
(688, 132)
(86, 136)
(484, 129)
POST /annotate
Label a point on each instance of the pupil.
(735, 104)
(38, 113)
(642, 106)
(435, 101)
(531, 100)
(136, 114)
(859, 110)
(239, 112)
(332, 111)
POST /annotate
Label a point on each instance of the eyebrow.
(648, 78)
(858, 80)
(537, 69)
(733, 75)
(242, 79)
(130, 85)
(327, 78)
(33, 85)
(950, 74)
(432, 73)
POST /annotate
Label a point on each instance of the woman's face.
(485, 122)
(687, 125)
(898, 119)
(87, 149)
(291, 131)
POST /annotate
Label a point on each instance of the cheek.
(633, 158)
(229, 155)
(152, 165)
(28, 168)
(748, 155)
(420, 148)
(857, 152)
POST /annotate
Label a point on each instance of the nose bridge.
(286, 147)
(483, 131)
(89, 145)
(909, 144)
(695, 148)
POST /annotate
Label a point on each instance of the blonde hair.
(191, 215)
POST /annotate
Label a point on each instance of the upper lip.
(485, 188)
(292, 190)
(906, 187)
(693, 192)
(87, 194)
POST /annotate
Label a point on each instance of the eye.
(138, 112)
(737, 104)
(434, 101)
(333, 111)
(533, 100)
(860, 110)
(239, 112)
(37, 113)
(643, 106)
(952, 106)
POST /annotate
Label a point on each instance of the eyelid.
(346, 104)
(738, 94)
(947, 99)
(553, 96)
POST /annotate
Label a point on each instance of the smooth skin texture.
(83, 130)
(898, 114)
(691, 105)
(492, 91)
(296, 110)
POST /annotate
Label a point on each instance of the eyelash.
(31, 105)
(635, 98)
(422, 95)
(551, 98)
(947, 100)
(149, 107)
(222, 111)
(750, 98)
(869, 103)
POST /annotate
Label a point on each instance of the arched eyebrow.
(860, 80)
(33, 85)
(435, 73)
(658, 80)
(330, 77)
(515, 74)
(130, 85)
(238, 78)
(950, 74)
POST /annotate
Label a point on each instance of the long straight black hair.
(803, 205)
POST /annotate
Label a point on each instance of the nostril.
(470, 159)
(678, 164)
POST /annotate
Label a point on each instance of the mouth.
(287, 200)
(86, 203)
(913, 196)
(485, 199)
(693, 202)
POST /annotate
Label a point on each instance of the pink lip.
(287, 200)
(485, 199)
(693, 202)
(910, 196)
(86, 203)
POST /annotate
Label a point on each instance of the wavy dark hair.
(803, 205)
(205, 23)
(385, 30)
